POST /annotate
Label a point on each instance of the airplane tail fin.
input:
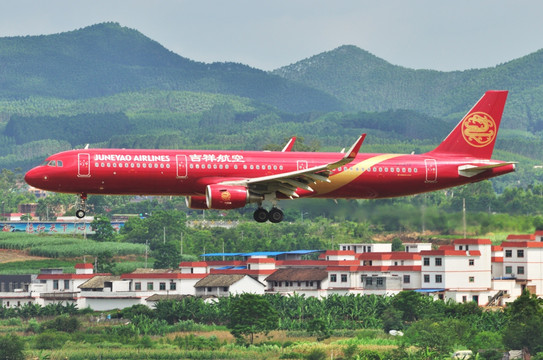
(475, 135)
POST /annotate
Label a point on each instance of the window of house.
(426, 278)
(520, 253)
(150, 286)
(426, 261)
(472, 279)
(137, 286)
(55, 284)
(471, 262)
(173, 286)
(508, 253)
(369, 281)
(162, 286)
(406, 279)
(343, 277)
(438, 261)
(225, 288)
(66, 284)
(520, 270)
(464, 298)
(508, 269)
(439, 278)
(333, 278)
(209, 289)
(380, 282)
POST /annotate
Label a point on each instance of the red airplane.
(215, 179)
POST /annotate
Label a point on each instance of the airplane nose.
(35, 177)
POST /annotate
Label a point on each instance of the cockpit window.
(52, 163)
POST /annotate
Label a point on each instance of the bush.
(316, 354)
(50, 340)
(62, 323)
(11, 347)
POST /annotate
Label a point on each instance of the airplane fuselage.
(187, 173)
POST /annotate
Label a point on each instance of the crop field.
(66, 246)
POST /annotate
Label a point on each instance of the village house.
(220, 285)
(466, 270)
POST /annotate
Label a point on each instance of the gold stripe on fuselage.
(345, 177)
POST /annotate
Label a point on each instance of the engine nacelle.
(228, 197)
(196, 202)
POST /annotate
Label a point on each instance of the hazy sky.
(267, 34)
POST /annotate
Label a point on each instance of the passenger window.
(59, 163)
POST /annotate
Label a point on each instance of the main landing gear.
(275, 215)
(80, 213)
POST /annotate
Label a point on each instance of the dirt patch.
(16, 255)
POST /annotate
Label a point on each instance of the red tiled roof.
(525, 244)
(261, 261)
(84, 266)
(242, 271)
(448, 252)
(135, 276)
(193, 264)
(472, 242)
(395, 255)
(521, 237)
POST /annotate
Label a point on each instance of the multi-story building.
(466, 270)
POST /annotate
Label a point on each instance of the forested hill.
(107, 59)
(368, 83)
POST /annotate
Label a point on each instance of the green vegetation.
(197, 329)
(65, 247)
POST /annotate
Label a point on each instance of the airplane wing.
(288, 183)
(290, 144)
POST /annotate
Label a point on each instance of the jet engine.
(229, 197)
(196, 202)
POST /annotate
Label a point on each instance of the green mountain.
(107, 59)
(368, 83)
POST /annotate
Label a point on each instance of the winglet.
(290, 144)
(349, 155)
(353, 151)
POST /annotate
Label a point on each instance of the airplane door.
(181, 161)
(431, 170)
(83, 165)
(302, 164)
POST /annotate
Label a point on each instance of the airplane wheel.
(260, 215)
(80, 214)
(275, 215)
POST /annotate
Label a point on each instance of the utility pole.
(464, 215)
(146, 251)
(181, 242)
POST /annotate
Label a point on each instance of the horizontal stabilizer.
(472, 170)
